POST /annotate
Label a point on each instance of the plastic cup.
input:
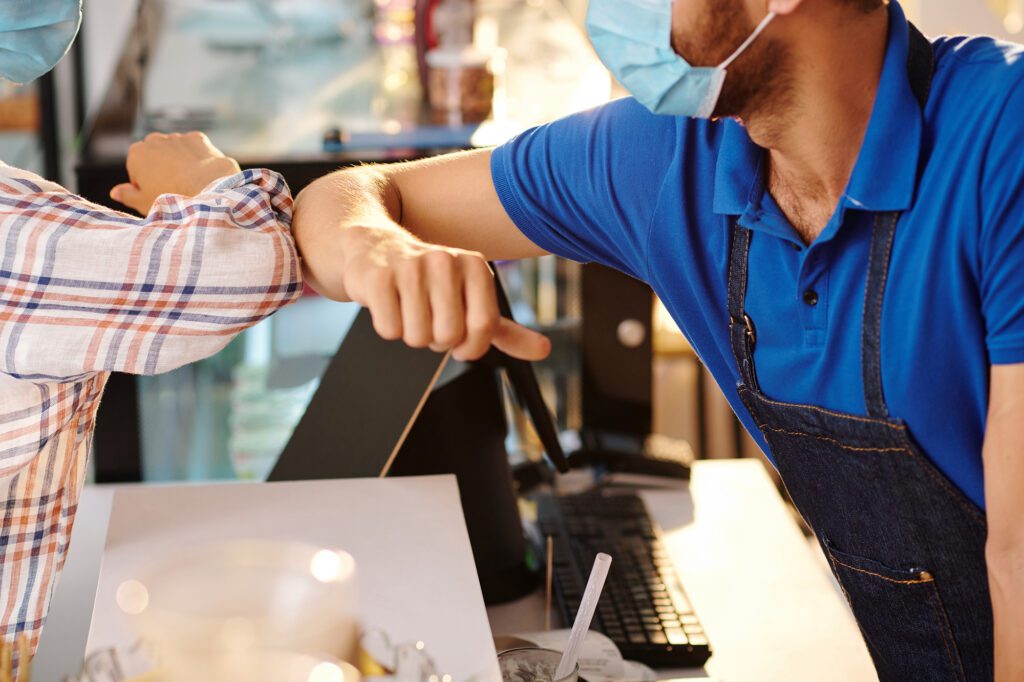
(531, 664)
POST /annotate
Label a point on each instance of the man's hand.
(430, 296)
(170, 164)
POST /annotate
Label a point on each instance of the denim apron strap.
(882, 238)
(920, 65)
(920, 68)
(742, 334)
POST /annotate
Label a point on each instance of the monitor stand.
(381, 410)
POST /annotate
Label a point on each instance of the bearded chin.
(712, 37)
(754, 82)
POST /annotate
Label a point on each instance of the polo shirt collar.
(885, 175)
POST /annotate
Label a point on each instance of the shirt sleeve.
(1002, 238)
(87, 289)
(585, 187)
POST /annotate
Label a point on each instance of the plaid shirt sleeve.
(85, 290)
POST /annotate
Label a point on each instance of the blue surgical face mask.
(35, 35)
(634, 40)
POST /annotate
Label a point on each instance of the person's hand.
(430, 296)
(170, 164)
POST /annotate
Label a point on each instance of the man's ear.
(784, 7)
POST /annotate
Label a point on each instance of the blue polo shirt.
(653, 196)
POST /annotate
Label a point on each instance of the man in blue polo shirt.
(834, 216)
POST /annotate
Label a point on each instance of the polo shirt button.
(811, 297)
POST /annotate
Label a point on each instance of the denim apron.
(905, 544)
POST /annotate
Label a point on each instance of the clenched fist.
(171, 164)
(428, 295)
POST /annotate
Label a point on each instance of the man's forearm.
(358, 197)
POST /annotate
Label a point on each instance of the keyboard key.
(659, 638)
(699, 640)
(688, 619)
(675, 636)
(693, 629)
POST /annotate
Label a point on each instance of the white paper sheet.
(417, 580)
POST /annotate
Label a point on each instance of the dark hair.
(865, 6)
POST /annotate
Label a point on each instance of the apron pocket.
(901, 617)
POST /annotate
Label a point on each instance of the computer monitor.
(383, 408)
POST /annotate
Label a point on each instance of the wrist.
(209, 172)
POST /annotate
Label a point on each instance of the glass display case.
(304, 87)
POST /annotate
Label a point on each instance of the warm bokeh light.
(132, 597)
(326, 566)
(326, 672)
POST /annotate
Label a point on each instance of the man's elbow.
(1004, 552)
(359, 191)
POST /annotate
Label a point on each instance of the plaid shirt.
(85, 291)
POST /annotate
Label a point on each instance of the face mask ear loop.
(746, 43)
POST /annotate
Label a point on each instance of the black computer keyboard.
(643, 608)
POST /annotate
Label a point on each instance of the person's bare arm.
(411, 243)
(1004, 482)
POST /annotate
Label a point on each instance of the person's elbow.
(1004, 551)
(346, 193)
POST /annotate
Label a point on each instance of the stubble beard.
(757, 90)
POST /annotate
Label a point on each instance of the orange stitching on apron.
(842, 587)
(866, 420)
(919, 581)
(953, 493)
(764, 427)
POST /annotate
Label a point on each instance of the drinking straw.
(547, 587)
(571, 655)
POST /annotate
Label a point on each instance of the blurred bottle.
(460, 85)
